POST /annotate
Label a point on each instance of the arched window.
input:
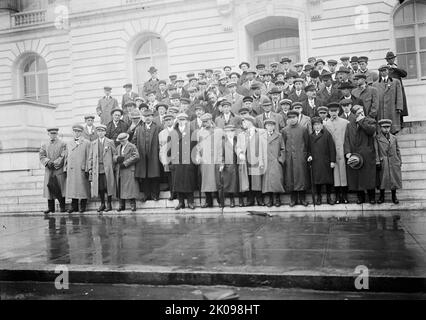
(410, 37)
(34, 78)
(152, 51)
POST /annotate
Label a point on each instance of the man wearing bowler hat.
(361, 155)
(105, 105)
(101, 168)
(52, 155)
(125, 158)
(77, 171)
(397, 73)
(116, 125)
(148, 166)
(152, 83)
(89, 131)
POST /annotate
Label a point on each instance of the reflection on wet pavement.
(302, 242)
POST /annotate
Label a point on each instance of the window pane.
(29, 86)
(423, 63)
(422, 36)
(30, 64)
(420, 11)
(42, 84)
(158, 46)
(408, 63)
(160, 62)
(144, 49)
(408, 13)
(41, 65)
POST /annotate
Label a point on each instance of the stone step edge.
(333, 280)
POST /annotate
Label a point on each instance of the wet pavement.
(388, 244)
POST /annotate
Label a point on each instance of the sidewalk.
(288, 250)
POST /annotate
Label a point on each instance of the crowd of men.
(251, 135)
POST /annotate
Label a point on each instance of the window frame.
(415, 25)
(34, 58)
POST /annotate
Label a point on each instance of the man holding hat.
(101, 168)
(388, 161)
(105, 105)
(125, 158)
(397, 73)
(129, 95)
(390, 98)
(152, 84)
(296, 141)
(367, 94)
(371, 76)
(164, 142)
(147, 168)
(89, 131)
(182, 164)
(52, 154)
(337, 128)
(116, 125)
(361, 155)
(235, 98)
(77, 171)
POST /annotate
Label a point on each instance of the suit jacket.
(126, 98)
(295, 98)
(308, 110)
(326, 97)
(112, 131)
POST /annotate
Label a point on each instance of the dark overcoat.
(323, 152)
(359, 138)
(296, 141)
(146, 140)
(397, 73)
(389, 156)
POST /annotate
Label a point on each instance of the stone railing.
(28, 18)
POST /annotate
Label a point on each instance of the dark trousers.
(150, 187)
(318, 188)
(187, 195)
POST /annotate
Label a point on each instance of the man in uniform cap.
(286, 64)
(337, 128)
(101, 168)
(359, 140)
(370, 75)
(116, 125)
(322, 156)
(267, 84)
(268, 114)
(76, 168)
(397, 73)
(248, 104)
(129, 95)
(367, 94)
(152, 83)
(354, 64)
(390, 98)
(180, 90)
(275, 95)
(388, 161)
(52, 154)
(182, 163)
(105, 105)
(296, 141)
(298, 93)
(234, 97)
(260, 67)
(323, 114)
(89, 131)
(227, 117)
(299, 70)
(125, 158)
(172, 78)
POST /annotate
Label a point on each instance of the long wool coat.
(370, 98)
(337, 129)
(397, 73)
(389, 156)
(359, 138)
(107, 154)
(206, 149)
(273, 178)
(390, 100)
(126, 182)
(76, 165)
(148, 165)
(105, 106)
(296, 141)
(227, 155)
(53, 151)
(182, 162)
(251, 167)
(323, 152)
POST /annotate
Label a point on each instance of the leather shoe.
(303, 203)
(180, 206)
(292, 203)
(191, 206)
(102, 207)
(206, 205)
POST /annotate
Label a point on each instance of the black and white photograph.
(184, 151)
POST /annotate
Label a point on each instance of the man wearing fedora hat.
(397, 73)
(147, 168)
(359, 140)
(89, 131)
(152, 83)
(105, 105)
(101, 168)
(77, 171)
(52, 155)
(129, 95)
(116, 125)
(125, 158)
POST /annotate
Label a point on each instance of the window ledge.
(27, 102)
